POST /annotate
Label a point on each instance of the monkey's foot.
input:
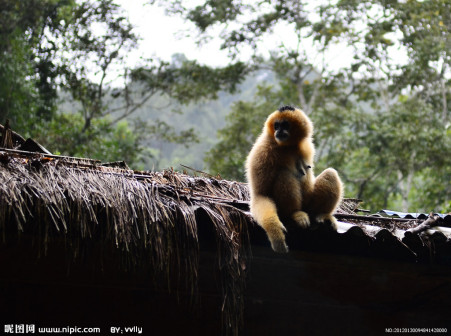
(275, 232)
(279, 246)
(302, 219)
(329, 219)
(276, 235)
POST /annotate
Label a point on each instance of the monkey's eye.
(284, 125)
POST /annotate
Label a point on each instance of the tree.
(412, 97)
(77, 50)
(27, 72)
(49, 46)
(383, 123)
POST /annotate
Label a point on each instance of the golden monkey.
(279, 170)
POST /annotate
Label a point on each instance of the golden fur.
(280, 174)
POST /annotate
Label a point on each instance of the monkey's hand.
(276, 235)
(302, 219)
(327, 218)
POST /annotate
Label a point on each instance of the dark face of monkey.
(281, 130)
(288, 126)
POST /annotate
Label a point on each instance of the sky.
(164, 35)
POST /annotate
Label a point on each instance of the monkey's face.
(281, 130)
(288, 127)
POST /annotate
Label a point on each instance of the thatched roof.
(154, 218)
(141, 213)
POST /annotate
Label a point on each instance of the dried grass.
(150, 214)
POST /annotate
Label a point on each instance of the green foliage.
(103, 141)
(19, 96)
(410, 133)
(383, 123)
(188, 81)
(74, 49)
(26, 73)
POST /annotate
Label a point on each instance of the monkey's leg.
(288, 197)
(265, 213)
(326, 196)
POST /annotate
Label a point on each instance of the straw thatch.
(146, 214)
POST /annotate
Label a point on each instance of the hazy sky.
(162, 36)
(159, 34)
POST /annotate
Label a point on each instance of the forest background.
(382, 114)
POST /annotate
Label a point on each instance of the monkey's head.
(288, 126)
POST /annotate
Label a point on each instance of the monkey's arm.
(302, 168)
(264, 211)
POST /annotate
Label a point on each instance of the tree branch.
(134, 108)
